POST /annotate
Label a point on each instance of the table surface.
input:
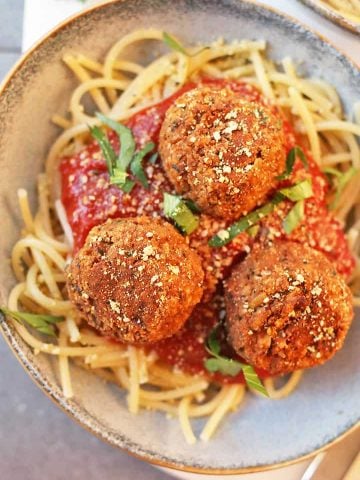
(36, 439)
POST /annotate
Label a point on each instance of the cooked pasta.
(119, 88)
(349, 9)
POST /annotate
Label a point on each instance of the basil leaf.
(300, 153)
(41, 322)
(118, 177)
(294, 217)
(106, 148)
(136, 164)
(127, 142)
(176, 209)
(128, 186)
(342, 180)
(192, 205)
(253, 381)
(173, 44)
(121, 179)
(225, 236)
(117, 165)
(226, 366)
(299, 191)
(290, 161)
(212, 341)
(253, 231)
(154, 158)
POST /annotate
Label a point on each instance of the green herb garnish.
(225, 236)
(294, 153)
(297, 192)
(294, 217)
(105, 146)
(341, 179)
(41, 322)
(153, 158)
(228, 366)
(173, 44)
(118, 164)
(136, 164)
(192, 205)
(176, 209)
(253, 231)
(126, 138)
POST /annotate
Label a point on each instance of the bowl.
(331, 14)
(264, 434)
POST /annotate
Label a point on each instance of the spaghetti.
(119, 88)
(349, 9)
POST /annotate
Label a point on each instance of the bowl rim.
(56, 397)
(333, 16)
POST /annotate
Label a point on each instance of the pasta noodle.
(349, 9)
(119, 88)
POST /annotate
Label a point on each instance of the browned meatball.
(287, 308)
(222, 151)
(135, 280)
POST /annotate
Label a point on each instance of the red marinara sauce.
(90, 200)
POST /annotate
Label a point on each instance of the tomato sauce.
(90, 200)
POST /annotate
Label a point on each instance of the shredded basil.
(225, 236)
(177, 210)
(106, 148)
(228, 366)
(299, 191)
(294, 217)
(41, 322)
(126, 138)
(173, 44)
(136, 164)
(341, 179)
(153, 158)
(118, 164)
(294, 153)
(192, 205)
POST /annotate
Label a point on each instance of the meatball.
(222, 151)
(135, 280)
(287, 308)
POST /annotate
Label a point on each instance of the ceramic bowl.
(263, 434)
(323, 9)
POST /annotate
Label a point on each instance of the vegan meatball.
(222, 151)
(287, 308)
(135, 279)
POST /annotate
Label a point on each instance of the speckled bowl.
(263, 434)
(333, 15)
